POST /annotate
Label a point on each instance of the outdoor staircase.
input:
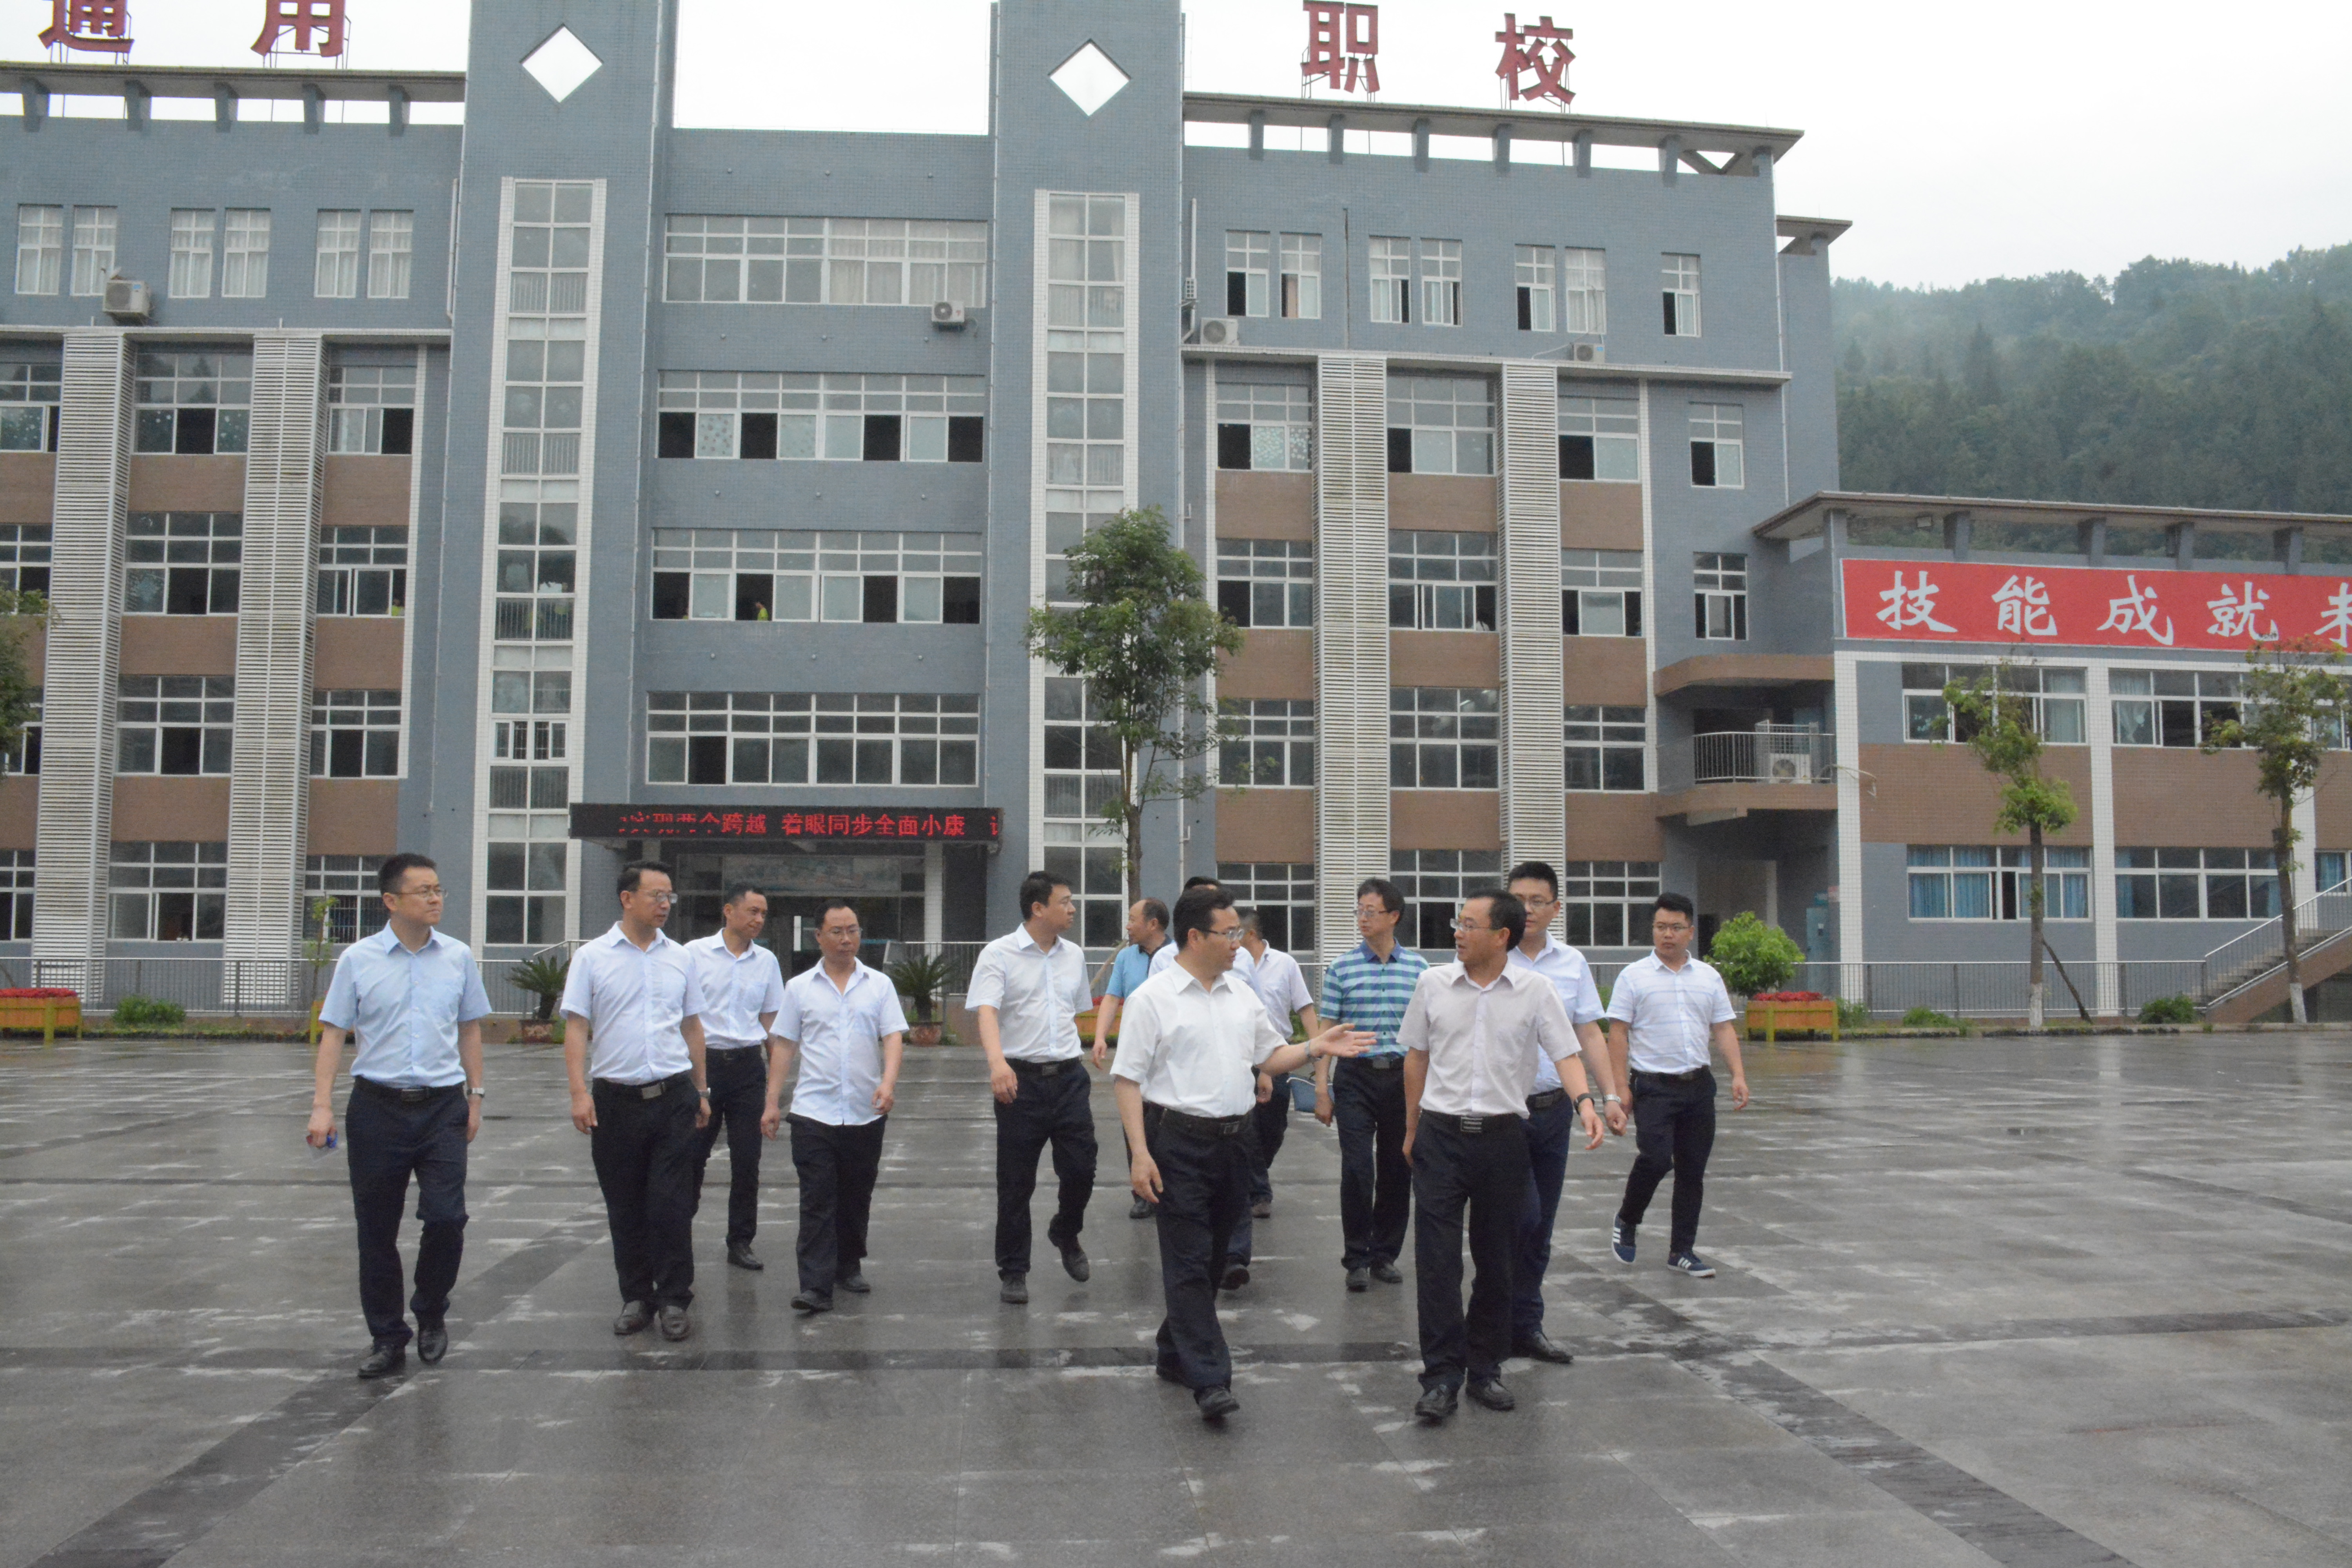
(2246, 976)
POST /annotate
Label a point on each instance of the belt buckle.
(1474, 1124)
(414, 1096)
(651, 1090)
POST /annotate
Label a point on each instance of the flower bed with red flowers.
(1788, 997)
(36, 994)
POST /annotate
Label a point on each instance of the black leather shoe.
(384, 1361)
(1435, 1403)
(1075, 1264)
(673, 1326)
(739, 1253)
(810, 1302)
(1141, 1208)
(1536, 1345)
(432, 1343)
(1014, 1291)
(1261, 1209)
(1490, 1393)
(633, 1319)
(1215, 1403)
(1236, 1276)
(854, 1282)
(1360, 1279)
(1386, 1273)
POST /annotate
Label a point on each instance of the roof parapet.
(1746, 150)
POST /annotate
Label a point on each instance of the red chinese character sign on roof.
(1981, 602)
(1343, 44)
(103, 26)
(308, 20)
(1539, 47)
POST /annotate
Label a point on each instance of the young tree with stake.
(1997, 722)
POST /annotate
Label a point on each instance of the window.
(1442, 580)
(1391, 276)
(761, 575)
(15, 895)
(168, 891)
(194, 404)
(1081, 778)
(1716, 447)
(1719, 584)
(1535, 282)
(362, 571)
(1605, 747)
(1987, 882)
(174, 724)
(28, 406)
(1441, 282)
(1606, 903)
(40, 248)
(372, 408)
(351, 885)
(2171, 707)
(1302, 276)
(827, 738)
(536, 692)
(1265, 427)
(1601, 438)
(547, 360)
(24, 756)
(355, 735)
(1086, 382)
(537, 561)
(392, 243)
(2330, 865)
(1601, 593)
(824, 261)
(1584, 292)
(339, 256)
(25, 557)
(1266, 582)
(183, 563)
(1267, 742)
(1283, 894)
(2056, 697)
(93, 249)
(1444, 737)
(1434, 882)
(525, 905)
(530, 788)
(1249, 267)
(191, 274)
(843, 418)
(2196, 884)
(244, 255)
(1441, 424)
(1680, 277)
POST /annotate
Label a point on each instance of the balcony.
(1774, 767)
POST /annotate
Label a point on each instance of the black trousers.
(1486, 1173)
(1375, 1182)
(386, 1143)
(1204, 1193)
(1269, 1125)
(738, 1093)
(649, 1165)
(1058, 1110)
(1550, 1134)
(837, 1167)
(1673, 1130)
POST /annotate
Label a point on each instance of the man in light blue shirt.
(1147, 938)
(413, 999)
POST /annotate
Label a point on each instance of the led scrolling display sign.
(731, 824)
(1971, 601)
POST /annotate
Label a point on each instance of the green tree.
(21, 616)
(1142, 636)
(1752, 956)
(2295, 703)
(1996, 720)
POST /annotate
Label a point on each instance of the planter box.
(1774, 1017)
(47, 1013)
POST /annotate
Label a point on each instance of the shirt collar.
(616, 937)
(1508, 977)
(817, 976)
(717, 943)
(1365, 948)
(1020, 938)
(389, 940)
(1194, 981)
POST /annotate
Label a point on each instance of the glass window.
(1392, 279)
(537, 561)
(1601, 593)
(1601, 438)
(1265, 425)
(2196, 884)
(167, 891)
(174, 724)
(2172, 707)
(1434, 882)
(1533, 269)
(1584, 292)
(1716, 448)
(1605, 747)
(1441, 282)
(25, 557)
(24, 756)
(1283, 894)
(1606, 903)
(371, 409)
(15, 895)
(1266, 582)
(2054, 696)
(93, 249)
(349, 884)
(183, 563)
(338, 276)
(194, 404)
(244, 255)
(1302, 276)
(1445, 737)
(28, 406)
(799, 738)
(1980, 882)
(844, 417)
(762, 575)
(1680, 275)
(362, 571)
(355, 735)
(1267, 742)
(392, 242)
(823, 261)
(1442, 580)
(1249, 273)
(1441, 424)
(1719, 583)
(40, 248)
(191, 274)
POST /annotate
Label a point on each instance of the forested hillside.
(2179, 383)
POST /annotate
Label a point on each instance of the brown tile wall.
(1265, 825)
(20, 810)
(171, 810)
(2332, 808)
(1444, 658)
(1462, 501)
(179, 645)
(28, 482)
(187, 484)
(360, 652)
(1613, 827)
(1600, 517)
(1266, 506)
(358, 491)
(2174, 798)
(354, 816)
(1941, 795)
(1270, 664)
(1613, 670)
(1446, 819)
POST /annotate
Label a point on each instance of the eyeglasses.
(656, 897)
(1670, 928)
(1539, 903)
(1231, 933)
(1369, 912)
(427, 893)
(1465, 925)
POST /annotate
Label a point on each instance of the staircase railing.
(2251, 954)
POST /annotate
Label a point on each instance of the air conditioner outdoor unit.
(1790, 767)
(1590, 354)
(947, 313)
(1220, 332)
(127, 297)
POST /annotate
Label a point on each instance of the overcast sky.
(1962, 140)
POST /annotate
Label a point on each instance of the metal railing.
(1772, 753)
(2251, 954)
(2000, 988)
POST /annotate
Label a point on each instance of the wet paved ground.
(1980, 1300)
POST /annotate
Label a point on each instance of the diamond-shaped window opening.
(1090, 78)
(561, 64)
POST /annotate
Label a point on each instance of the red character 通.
(100, 27)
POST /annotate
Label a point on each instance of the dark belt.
(1691, 1077)
(1389, 1063)
(1470, 1126)
(1046, 1070)
(1544, 1100)
(1202, 1126)
(653, 1091)
(727, 1051)
(375, 1090)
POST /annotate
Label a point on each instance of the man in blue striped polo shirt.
(1368, 988)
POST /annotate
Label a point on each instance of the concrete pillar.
(935, 893)
(1351, 639)
(1527, 501)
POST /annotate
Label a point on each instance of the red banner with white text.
(1977, 602)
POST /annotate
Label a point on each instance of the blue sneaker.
(1620, 1241)
(1692, 1264)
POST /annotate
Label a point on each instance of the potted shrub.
(1755, 960)
(921, 977)
(542, 978)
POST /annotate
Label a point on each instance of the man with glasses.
(1662, 1012)
(1368, 988)
(1551, 1118)
(413, 999)
(742, 987)
(1195, 1041)
(1027, 990)
(1473, 1034)
(632, 1046)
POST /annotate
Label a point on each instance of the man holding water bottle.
(414, 1001)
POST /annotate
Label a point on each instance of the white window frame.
(1452, 418)
(363, 566)
(191, 273)
(2054, 693)
(1601, 593)
(1441, 282)
(1719, 591)
(1302, 276)
(148, 705)
(724, 260)
(372, 715)
(245, 254)
(1441, 580)
(40, 247)
(1270, 580)
(766, 733)
(1280, 419)
(1607, 737)
(1611, 427)
(1584, 292)
(338, 273)
(1718, 430)
(1533, 271)
(29, 396)
(1249, 256)
(1678, 280)
(2005, 878)
(1266, 742)
(1465, 720)
(94, 232)
(201, 877)
(1390, 276)
(391, 251)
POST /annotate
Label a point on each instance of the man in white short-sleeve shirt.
(632, 1046)
(742, 986)
(1275, 976)
(1663, 1011)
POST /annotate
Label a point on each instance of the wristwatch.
(1612, 1099)
(1580, 1099)
(476, 1092)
